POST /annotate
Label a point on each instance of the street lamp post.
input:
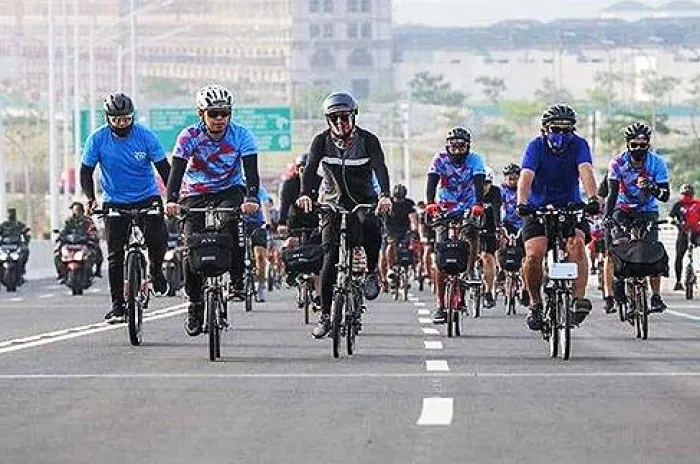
(76, 97)
(64, 99)
(132, 46)
(53, 156)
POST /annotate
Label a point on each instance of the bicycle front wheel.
(350, 325)
(564, 310)
(249, 292)
(134, 306)
(551, 323)
(212, 311)
(643, 313)
(337, 322)
(452, 303)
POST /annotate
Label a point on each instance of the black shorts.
(533, 228)
(489, 244)
(396, 235)
(257, 235)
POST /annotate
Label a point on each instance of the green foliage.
(603, 95)
(611, 131)
(500, 134)
(549, 93)
(683, 163)
(433, 90)
(307, 104)
(521, 112)
(659, 87)
(493, 88)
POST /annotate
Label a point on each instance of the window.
(323, 59)
(314, 6)
(353, 6)
(352, 31)
(366, 6)
(328, 6)
(367, 30)
(328, 30)
(314, 30)
(360, 88)
(360, 57)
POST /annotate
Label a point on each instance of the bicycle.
(309, 267)
(510, 258)
(690, 278)
(402, 270)
(212, 259)
(137, 280)
(456, 285)
(559, 277)
(348, 298)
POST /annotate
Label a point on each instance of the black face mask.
(638, 154)
(121, 132)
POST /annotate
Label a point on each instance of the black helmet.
(459, 133)
(76, 203)
(511, 169)
(118, 104)
(302, 159)
(339, 102)
(687, 189)
(637, 129)
(561, 113)
(399, 191)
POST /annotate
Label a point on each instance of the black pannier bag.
(404, 254)
(304, 259)
(452, 256)
(209, 253)
(638, 258)
(510, 259)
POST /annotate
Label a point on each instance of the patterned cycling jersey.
(456, 190)
(509, 200)
(258, 218)
(629, 194)
(213, 166)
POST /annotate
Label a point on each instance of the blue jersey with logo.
(456, 190)
(509, 203)
(213, 166)
(126, 164)
(556, 179)
(622, 170)
(258, 218)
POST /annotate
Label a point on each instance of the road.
(409, 395)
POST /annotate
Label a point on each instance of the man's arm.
(525, 185)
(585, 172)
(611, 199)
(163, 168)
(250, 166)
(310, 180)
(431, 188)
(87, 183)
(376, 157)
(287, 197)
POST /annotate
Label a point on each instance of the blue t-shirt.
(126, 164)
(622, 170)
(258, 218)
(456, 191)
(509, 200)
(213, 166)
(556, 179)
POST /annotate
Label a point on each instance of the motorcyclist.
(14, 231)
(80, 224)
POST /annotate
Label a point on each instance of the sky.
(485, 12)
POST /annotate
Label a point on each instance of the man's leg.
(535, 249)
(681, 248)
(156, 236)
(370, 237)
(330, 242)
(116, 233)
(193, 282)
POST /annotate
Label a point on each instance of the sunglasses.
(561, 130)
(213, 114)
(343, 117)
(458, 144)
(641, 145)
(121, 120)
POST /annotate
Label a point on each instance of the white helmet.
(489, 174)
(214, 96)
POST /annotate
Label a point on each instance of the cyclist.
(637, 181)
(460, 174)
(126, 152)
(686, 212)
(349, 157)
(401, 221)
(512, 223)
(257, 227)
(553, 165)
(489, 243)
(15, 231)
(82, 225)
(427, 239)
(210, 159)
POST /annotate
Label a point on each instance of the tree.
(602, 95)
(694, 103)
(433, 90)
(611, 131)
(521, 112)
(499, 133)
(549, 93)
(493, 88)
(683, 163)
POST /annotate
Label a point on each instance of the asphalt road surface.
(74, 391)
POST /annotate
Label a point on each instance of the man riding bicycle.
(257, 229)
(637, 180)
(460, 173)
(126, 152)
(489, 242)
(552, 167)
(348, 157)
(210, 159)
(686, 213)
(398, 224)
(511, 222)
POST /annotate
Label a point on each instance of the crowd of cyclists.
(215, 163)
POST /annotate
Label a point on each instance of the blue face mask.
(559, 141)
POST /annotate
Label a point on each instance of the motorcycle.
(10, 269)
(77, 261)
(172, 265)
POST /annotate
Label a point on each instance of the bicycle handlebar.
(335, 208)
(128, 212)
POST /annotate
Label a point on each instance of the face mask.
(638, 155)
(686, 199)
(121, 131)
(558, 141)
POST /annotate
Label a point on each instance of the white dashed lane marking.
(436, 365)
(436, 411)
(432, 344)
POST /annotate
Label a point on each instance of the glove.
(592, 206)
(432, 209)
(477, 210)
(524, 210)
(608, 222)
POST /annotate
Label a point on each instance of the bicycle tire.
(564, 304)
(552, 326)
(349, 325)
(644, 314)
(451, 300)
(477, 302)
(306, 301)
(249, 292)
(689, 284)
(212, 323)
(134, 309)
(336, 323)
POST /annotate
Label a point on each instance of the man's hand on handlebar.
(305, 203)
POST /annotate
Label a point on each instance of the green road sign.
(271, 126)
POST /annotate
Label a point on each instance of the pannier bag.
(638, 258)
(304, 259)
(404, 254)
(209, 253)
(452, 256)
(510, 259)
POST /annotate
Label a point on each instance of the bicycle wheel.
(564, 309)
(689, 283)
(337, 322)
(249, 292)
(306, 300)
(477, 301)
(404, 284)
(551, 324)
(512, 295)
(213, 327)
(644, 313)
(134, 308)
(350, 325)
(451, 301)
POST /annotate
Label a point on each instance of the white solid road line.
(430, 331)
(683, 315)
(425, 320)
(424, 312)
(432, 344)
(419, 303)
(436, 365)
(74, 332)
(436, 411)
(47, 295)
(17, 298)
